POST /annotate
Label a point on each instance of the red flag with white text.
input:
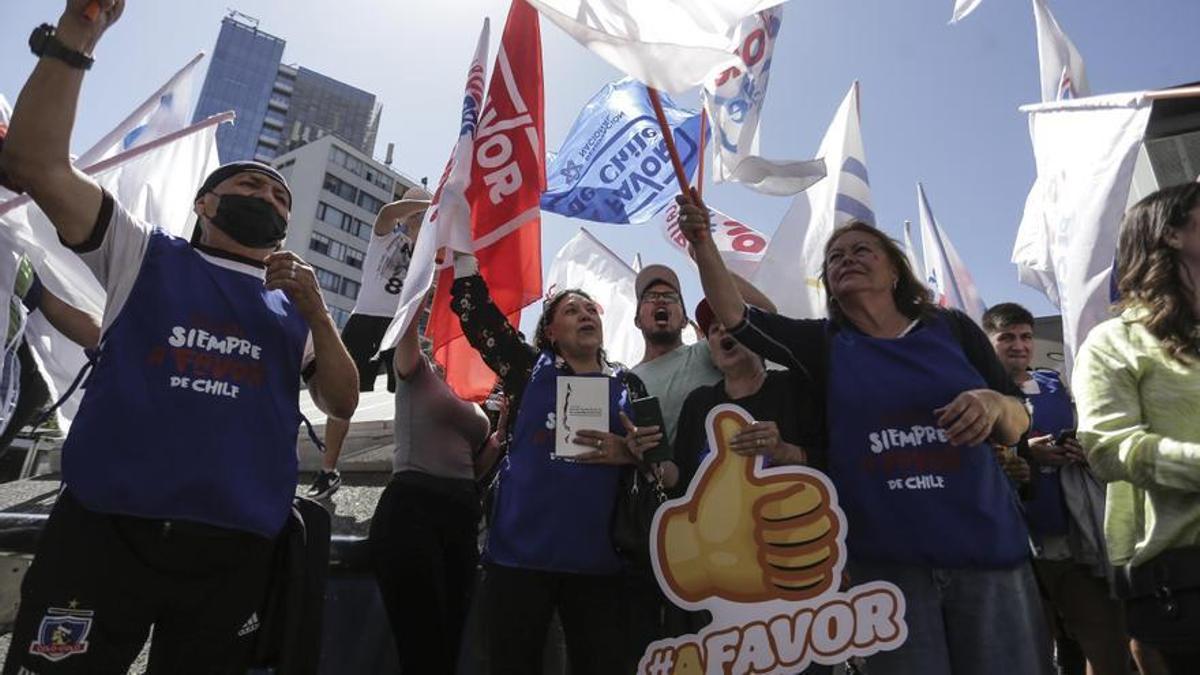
(508, 176)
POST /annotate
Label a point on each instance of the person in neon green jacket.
(1137, 382)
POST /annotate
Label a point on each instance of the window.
(340, 188)
(350, 288)
(369, 202)
(344, 159)
(337, 250)
(354, 258)
(320, 243)
(379, 179)
(340, 316)
(328, 280)
(361, 230)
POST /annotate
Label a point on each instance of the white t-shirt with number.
(383, 273)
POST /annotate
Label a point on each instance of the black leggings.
(519, 603)
(423, 553)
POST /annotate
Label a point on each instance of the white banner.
(735, 101)
(666, 44)
(944, 269)
(156, 182)
(910, 252)
(740, 245)
(585, 263)
(166, 111)
(1085, 152)
(789, 272)
(1062, 73)
(448, 219)
(962, 8)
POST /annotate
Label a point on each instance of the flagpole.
(700, 168)
(219, 118)
(1165, 94)
(680, 175)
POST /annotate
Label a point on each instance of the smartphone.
(1063, 436)
(648, 413)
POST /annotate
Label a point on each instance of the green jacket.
(1138, 422)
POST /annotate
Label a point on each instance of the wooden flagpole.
(680, 175)
(700, 169)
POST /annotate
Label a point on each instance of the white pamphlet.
(582, 403)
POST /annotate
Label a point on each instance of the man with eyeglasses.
(669, 368)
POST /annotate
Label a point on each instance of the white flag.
(1062, 71)
(1085, 151)
(945, 272)
(740, 246)
(734, 101)
(666, 44)
(157, 183)
(585, 263)
(5, 116)
(962, 8)
(447, 221)
(166, 111)
(789, 272)
(910, 252)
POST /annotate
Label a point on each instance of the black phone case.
(646, 413)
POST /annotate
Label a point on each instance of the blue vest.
(909, 496)
(1052, 414)
(193, 408)
(551, 514)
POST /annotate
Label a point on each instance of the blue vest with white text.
(552, 514)
(909, 496)
(1053, 414)
(192, 410)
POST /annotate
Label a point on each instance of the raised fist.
(745, 537)
(84, 21)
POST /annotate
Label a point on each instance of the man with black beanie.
(180, 467)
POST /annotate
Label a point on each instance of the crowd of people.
(1032, 527)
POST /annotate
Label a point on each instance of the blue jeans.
(963, 621)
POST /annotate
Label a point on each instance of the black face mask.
(250, 221)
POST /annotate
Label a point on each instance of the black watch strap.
(43, 42)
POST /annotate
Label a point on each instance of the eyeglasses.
(669, 297)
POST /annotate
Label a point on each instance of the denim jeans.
(963, 621)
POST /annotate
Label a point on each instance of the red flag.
(508, 177)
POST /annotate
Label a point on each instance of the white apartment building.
(337, 191)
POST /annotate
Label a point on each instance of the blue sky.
(939, 102)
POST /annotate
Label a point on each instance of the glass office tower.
(279, 107)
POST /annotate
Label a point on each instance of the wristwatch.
(43, 42)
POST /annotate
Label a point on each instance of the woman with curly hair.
(549, 546)
(1137, 386)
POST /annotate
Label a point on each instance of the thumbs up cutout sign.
(745, 534)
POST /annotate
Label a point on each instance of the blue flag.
(614, 166)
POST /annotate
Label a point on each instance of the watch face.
(37, 39)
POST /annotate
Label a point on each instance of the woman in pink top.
(424, 531)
